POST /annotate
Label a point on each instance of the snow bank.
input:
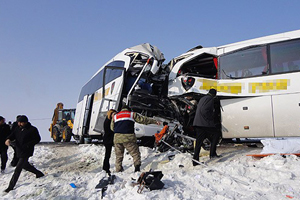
(272, 177)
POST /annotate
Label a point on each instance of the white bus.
(135, 77)
(258, 84)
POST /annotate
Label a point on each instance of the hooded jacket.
(25, 137)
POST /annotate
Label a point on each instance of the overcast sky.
(50, 49)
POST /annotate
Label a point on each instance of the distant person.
(123, 126)
(108, 140)
(15, 159)
(204, 123)
(10, 124)
(26, 136)
(4, 133)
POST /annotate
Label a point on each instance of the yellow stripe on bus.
(271, 85)
(233, 88)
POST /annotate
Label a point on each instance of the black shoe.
(137, 168)
(40, 175)
(195, 163)
(8, 190)
(108, 172)
(215, 156)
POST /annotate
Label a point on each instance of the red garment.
(158, 136)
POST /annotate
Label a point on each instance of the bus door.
(79, 116)
(286, 108)
(87, 114)
(113, 81)
(249, 117)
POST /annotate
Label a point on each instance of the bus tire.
(81, 139)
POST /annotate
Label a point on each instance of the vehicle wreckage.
(253, 79)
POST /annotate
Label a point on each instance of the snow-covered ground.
(233, 176)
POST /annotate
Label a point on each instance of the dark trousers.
(201, 134)
(4, 158)
(23, 164)
(15, 159)
(214, 142)
(106, 165)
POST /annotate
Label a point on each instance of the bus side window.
(292, 66)
(244, 63)
(285, 56)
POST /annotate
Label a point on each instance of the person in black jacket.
(204, 123)
(26, 137)
(108, 140)
(15, 159)
(4, 133)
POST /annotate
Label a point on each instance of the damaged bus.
(257, 82)
(135, 77)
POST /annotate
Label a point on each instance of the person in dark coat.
(26, 136)
(4, 133)
(108, 140)
(15, 159)
(204, 123)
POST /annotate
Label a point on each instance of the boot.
(215, 156)
(137, 168)
(7, 190)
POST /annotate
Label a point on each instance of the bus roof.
(258, 41)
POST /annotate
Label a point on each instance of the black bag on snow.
(151, 180)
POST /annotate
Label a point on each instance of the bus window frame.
(221, 70)
(89, 89)
(270, 55)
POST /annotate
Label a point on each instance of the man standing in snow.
(26, 137)
(108, 140)
(204, 123)
(4, 133)
(123, 126)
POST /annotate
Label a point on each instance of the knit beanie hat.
(213, 92)
(22, 118)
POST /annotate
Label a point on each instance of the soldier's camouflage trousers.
(133, 150)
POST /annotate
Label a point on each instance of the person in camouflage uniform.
(124, 138)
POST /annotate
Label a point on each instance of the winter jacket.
(4, 133)
(124, 122)
(108, 137)
(14, 126)
(205, 112)
(25, 137)
(130, 137)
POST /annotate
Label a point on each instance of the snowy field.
(233, 176)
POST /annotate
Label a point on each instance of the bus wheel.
(66, 134)
(81, 139)
(55, 134)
